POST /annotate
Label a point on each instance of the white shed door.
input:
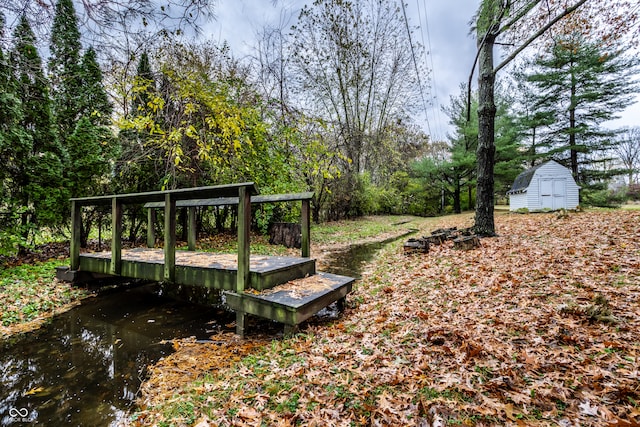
(553, 193)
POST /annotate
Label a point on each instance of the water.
(84, 368)
(350, 262)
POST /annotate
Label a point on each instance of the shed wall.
(517, 201)
(550, 175)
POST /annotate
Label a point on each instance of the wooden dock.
(284, 289)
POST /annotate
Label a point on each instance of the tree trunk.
(484, 224)
(572, 127)
(457, 208)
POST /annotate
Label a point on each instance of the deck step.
(293, 302)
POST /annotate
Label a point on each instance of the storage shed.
(548, 186)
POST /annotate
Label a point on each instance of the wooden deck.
(285, 289)
(295, 301)
(207, 269)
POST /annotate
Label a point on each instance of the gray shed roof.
(523, 180)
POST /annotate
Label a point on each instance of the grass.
(421, 335)
(30, 291)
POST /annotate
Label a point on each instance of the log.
(437, 238)
(449, 233)
(286, 233)
(416, 246)
(466, 242)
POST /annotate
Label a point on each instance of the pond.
(85, 366)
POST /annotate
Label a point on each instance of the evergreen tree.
(12, 135)
(65, 69)
(582, 85)
(144, 86)
(139, 168)
(457, 171)
(94, 103)
(36, 169)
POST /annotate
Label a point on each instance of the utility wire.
(415, 65)
(437, 113)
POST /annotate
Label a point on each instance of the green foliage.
(13, 234)
(65, 68)
(633, 192)
(598, 195)
(29, 290)
(203, 121)
(454, 173)
(89, 148)
(36, 157)
(581, 84)
(94, 102)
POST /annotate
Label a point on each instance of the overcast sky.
(444, 30)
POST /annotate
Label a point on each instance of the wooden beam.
(116, 236)
(210, 192)
(232, 201)
(244, 224)
(240, 323)
(76, 227)
(192, 232)
(169, 238)
(151, 230)
(305, 225)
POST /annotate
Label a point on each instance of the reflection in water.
(85, 367)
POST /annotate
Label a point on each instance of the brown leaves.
(514, 333)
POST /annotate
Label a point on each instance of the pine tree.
(65, 69)
(582, 85)
(12, 135)
(138, 168)
(457, 171)
(94, 103)
(36, 170)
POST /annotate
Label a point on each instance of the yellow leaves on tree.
(193, 121)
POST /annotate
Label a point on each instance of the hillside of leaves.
(540, 326)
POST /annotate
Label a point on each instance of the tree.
(205, 120)
(355, 66)
(581, 84)
(517, 24)
(36, 164)
(94, 102)
(627, 148)
(458, 169)
(65, 70)
(12, 136)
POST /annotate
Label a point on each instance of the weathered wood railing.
(168, 199)
(192, 204)
(233, 194)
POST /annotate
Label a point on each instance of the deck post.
(240, 320)
(116, 236)
(76, 227)
(306, 229)
(151, 230)
(169, 238)
(244, 223)
(192, 235)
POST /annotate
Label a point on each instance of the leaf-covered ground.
(539, 326)
(30, 294)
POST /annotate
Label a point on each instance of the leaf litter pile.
(539, 326)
